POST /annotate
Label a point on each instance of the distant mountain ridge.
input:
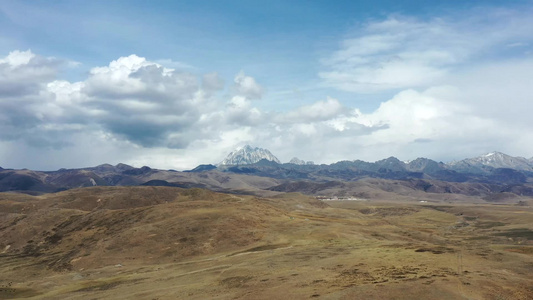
(254, 170)
(494, 167)
(480, 164)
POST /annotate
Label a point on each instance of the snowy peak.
(301, 162)
(496, 160)
(296, 161)
(494, 157)
(248, 155)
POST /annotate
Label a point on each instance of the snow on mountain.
(495, 160)
(297, 161)
(248, 155)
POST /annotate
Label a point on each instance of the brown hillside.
(172, 243)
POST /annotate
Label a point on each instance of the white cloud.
(318, 111)
(17, 58)
(22, 73)
(240, 111)
(402, 52)
(247, 86)
(134, 76)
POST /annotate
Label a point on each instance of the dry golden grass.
(170, 243)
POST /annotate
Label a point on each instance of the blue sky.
(373, 78)
(280, 43)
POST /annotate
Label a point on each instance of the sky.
(175, 84)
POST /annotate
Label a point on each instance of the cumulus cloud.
(24, 101)
(131, 98)
(22, 73)
(240, 111)
(143, 101)
(247, 86)
(134, 76)
(132, 101)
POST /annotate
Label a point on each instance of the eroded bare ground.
(169, 243)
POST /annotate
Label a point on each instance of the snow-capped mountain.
(297, 161)
(494, 160)
(248, 155)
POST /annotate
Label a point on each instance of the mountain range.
(252, 170)
(482, 164)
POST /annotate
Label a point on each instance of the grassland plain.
(171, 243)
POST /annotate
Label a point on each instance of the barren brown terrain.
(172, 243)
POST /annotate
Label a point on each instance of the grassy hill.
(172, 243)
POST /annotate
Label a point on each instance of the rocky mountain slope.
(492, 160)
